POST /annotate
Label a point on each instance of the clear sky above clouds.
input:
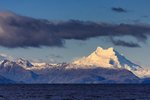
(111, 12)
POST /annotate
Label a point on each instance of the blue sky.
(137, 12)
(97, 10)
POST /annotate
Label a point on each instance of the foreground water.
(75, 92)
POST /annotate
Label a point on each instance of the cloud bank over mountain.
(21, 31)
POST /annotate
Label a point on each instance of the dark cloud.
(22, 31)
(118, 9)
(124, 43)
(145, 16)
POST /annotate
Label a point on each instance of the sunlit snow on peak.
(107, 58)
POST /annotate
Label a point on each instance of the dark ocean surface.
(75, 92)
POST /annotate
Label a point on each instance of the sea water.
(75, 92)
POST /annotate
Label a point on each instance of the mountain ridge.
(101, 66)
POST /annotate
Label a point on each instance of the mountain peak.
(110, 49)
(24, 62)
(107, 58)
(100, 50)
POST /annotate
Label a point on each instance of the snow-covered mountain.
(101, 66)
(106, 58)
(24, 63)
(142, 73)
(13, 71)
